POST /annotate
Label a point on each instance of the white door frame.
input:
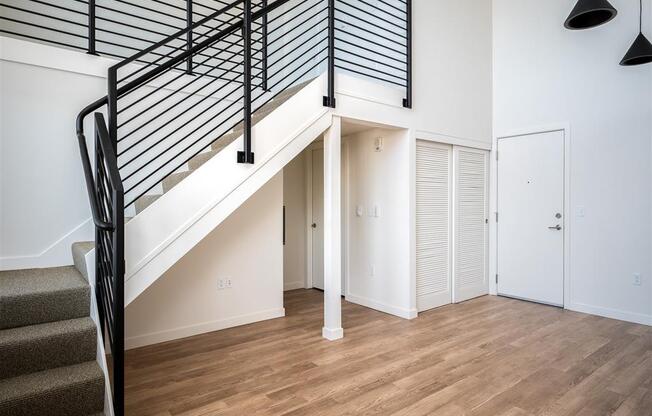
(309, 233)
(493, 231)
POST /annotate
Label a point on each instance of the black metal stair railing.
(206, 84)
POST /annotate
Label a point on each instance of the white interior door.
(530, 217)
(433, 222)
(470, 224)
(318, 218)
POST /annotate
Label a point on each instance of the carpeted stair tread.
(74, 390)
(34, 296)
(33, 348)
(79, 251)
(145, 201)
(173, 180)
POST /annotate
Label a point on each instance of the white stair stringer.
(169, 228)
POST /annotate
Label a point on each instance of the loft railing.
(193, 74)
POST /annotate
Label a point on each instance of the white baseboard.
(379, 306)
(293, 286)
(202, 328)
(637, 318)
(57, 254)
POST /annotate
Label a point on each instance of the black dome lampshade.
(641, 50)
(590, 13)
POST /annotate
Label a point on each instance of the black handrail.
(86, 165)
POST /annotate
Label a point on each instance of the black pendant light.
(641, 50)
(590, 13)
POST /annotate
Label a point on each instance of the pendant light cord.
(640, 19)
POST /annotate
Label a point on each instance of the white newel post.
(333, 232)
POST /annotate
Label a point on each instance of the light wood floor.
(489, 356)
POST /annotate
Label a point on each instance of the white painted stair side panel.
(169, 228)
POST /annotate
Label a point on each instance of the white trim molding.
(55, 255)
(382, 307)
(202, 328)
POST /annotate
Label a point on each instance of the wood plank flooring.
(489, 356)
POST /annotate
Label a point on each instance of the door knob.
(314, 225)
(556, 227)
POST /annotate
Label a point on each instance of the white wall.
(246, 248)
(44, 204)
(379, 179)
(545, 75)
(452, 71)
(294, 199)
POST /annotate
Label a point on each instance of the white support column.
(333, 232)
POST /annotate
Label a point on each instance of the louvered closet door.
(470, 235)
(433, 225)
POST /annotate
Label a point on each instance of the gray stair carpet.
(73, 390)
(35, 296)
(196, 162)
(48, 343)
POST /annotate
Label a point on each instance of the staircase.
(174, 155)
(48, 344)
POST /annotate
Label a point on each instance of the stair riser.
(46, 307)
(57, 350)
(81, 399)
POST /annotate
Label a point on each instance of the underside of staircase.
(48, 345)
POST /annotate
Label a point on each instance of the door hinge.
(496, 154)
(496, 278)
(496, 216)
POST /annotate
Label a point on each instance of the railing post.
(112, 107)
(264, 46)
(118, 304)
(407, 101)
(329, 100)
(189, 35)
(246, 156)
(91, 28)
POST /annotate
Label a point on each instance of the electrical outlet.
(637, 279)
(228, 283)
(221, 285)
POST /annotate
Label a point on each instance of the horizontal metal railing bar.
(372, 42)
(178, 34)
(167, 136)
(206, 134)
(211, 94)
(400, 61)
(365, 21)
(289, 10)
(340, 59)
(369, 75)
(195, 4)
(47, 16)
(149, 64)
(284, 24)
(166, 163)
(346, 22)
(9, 32)
(195, 49)
(381, 10)
(166, 84)
(365, 58)
(305, 41)
(392, 6)
(42, 27)
(293, 29)
(150, 42)
(316, 54)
